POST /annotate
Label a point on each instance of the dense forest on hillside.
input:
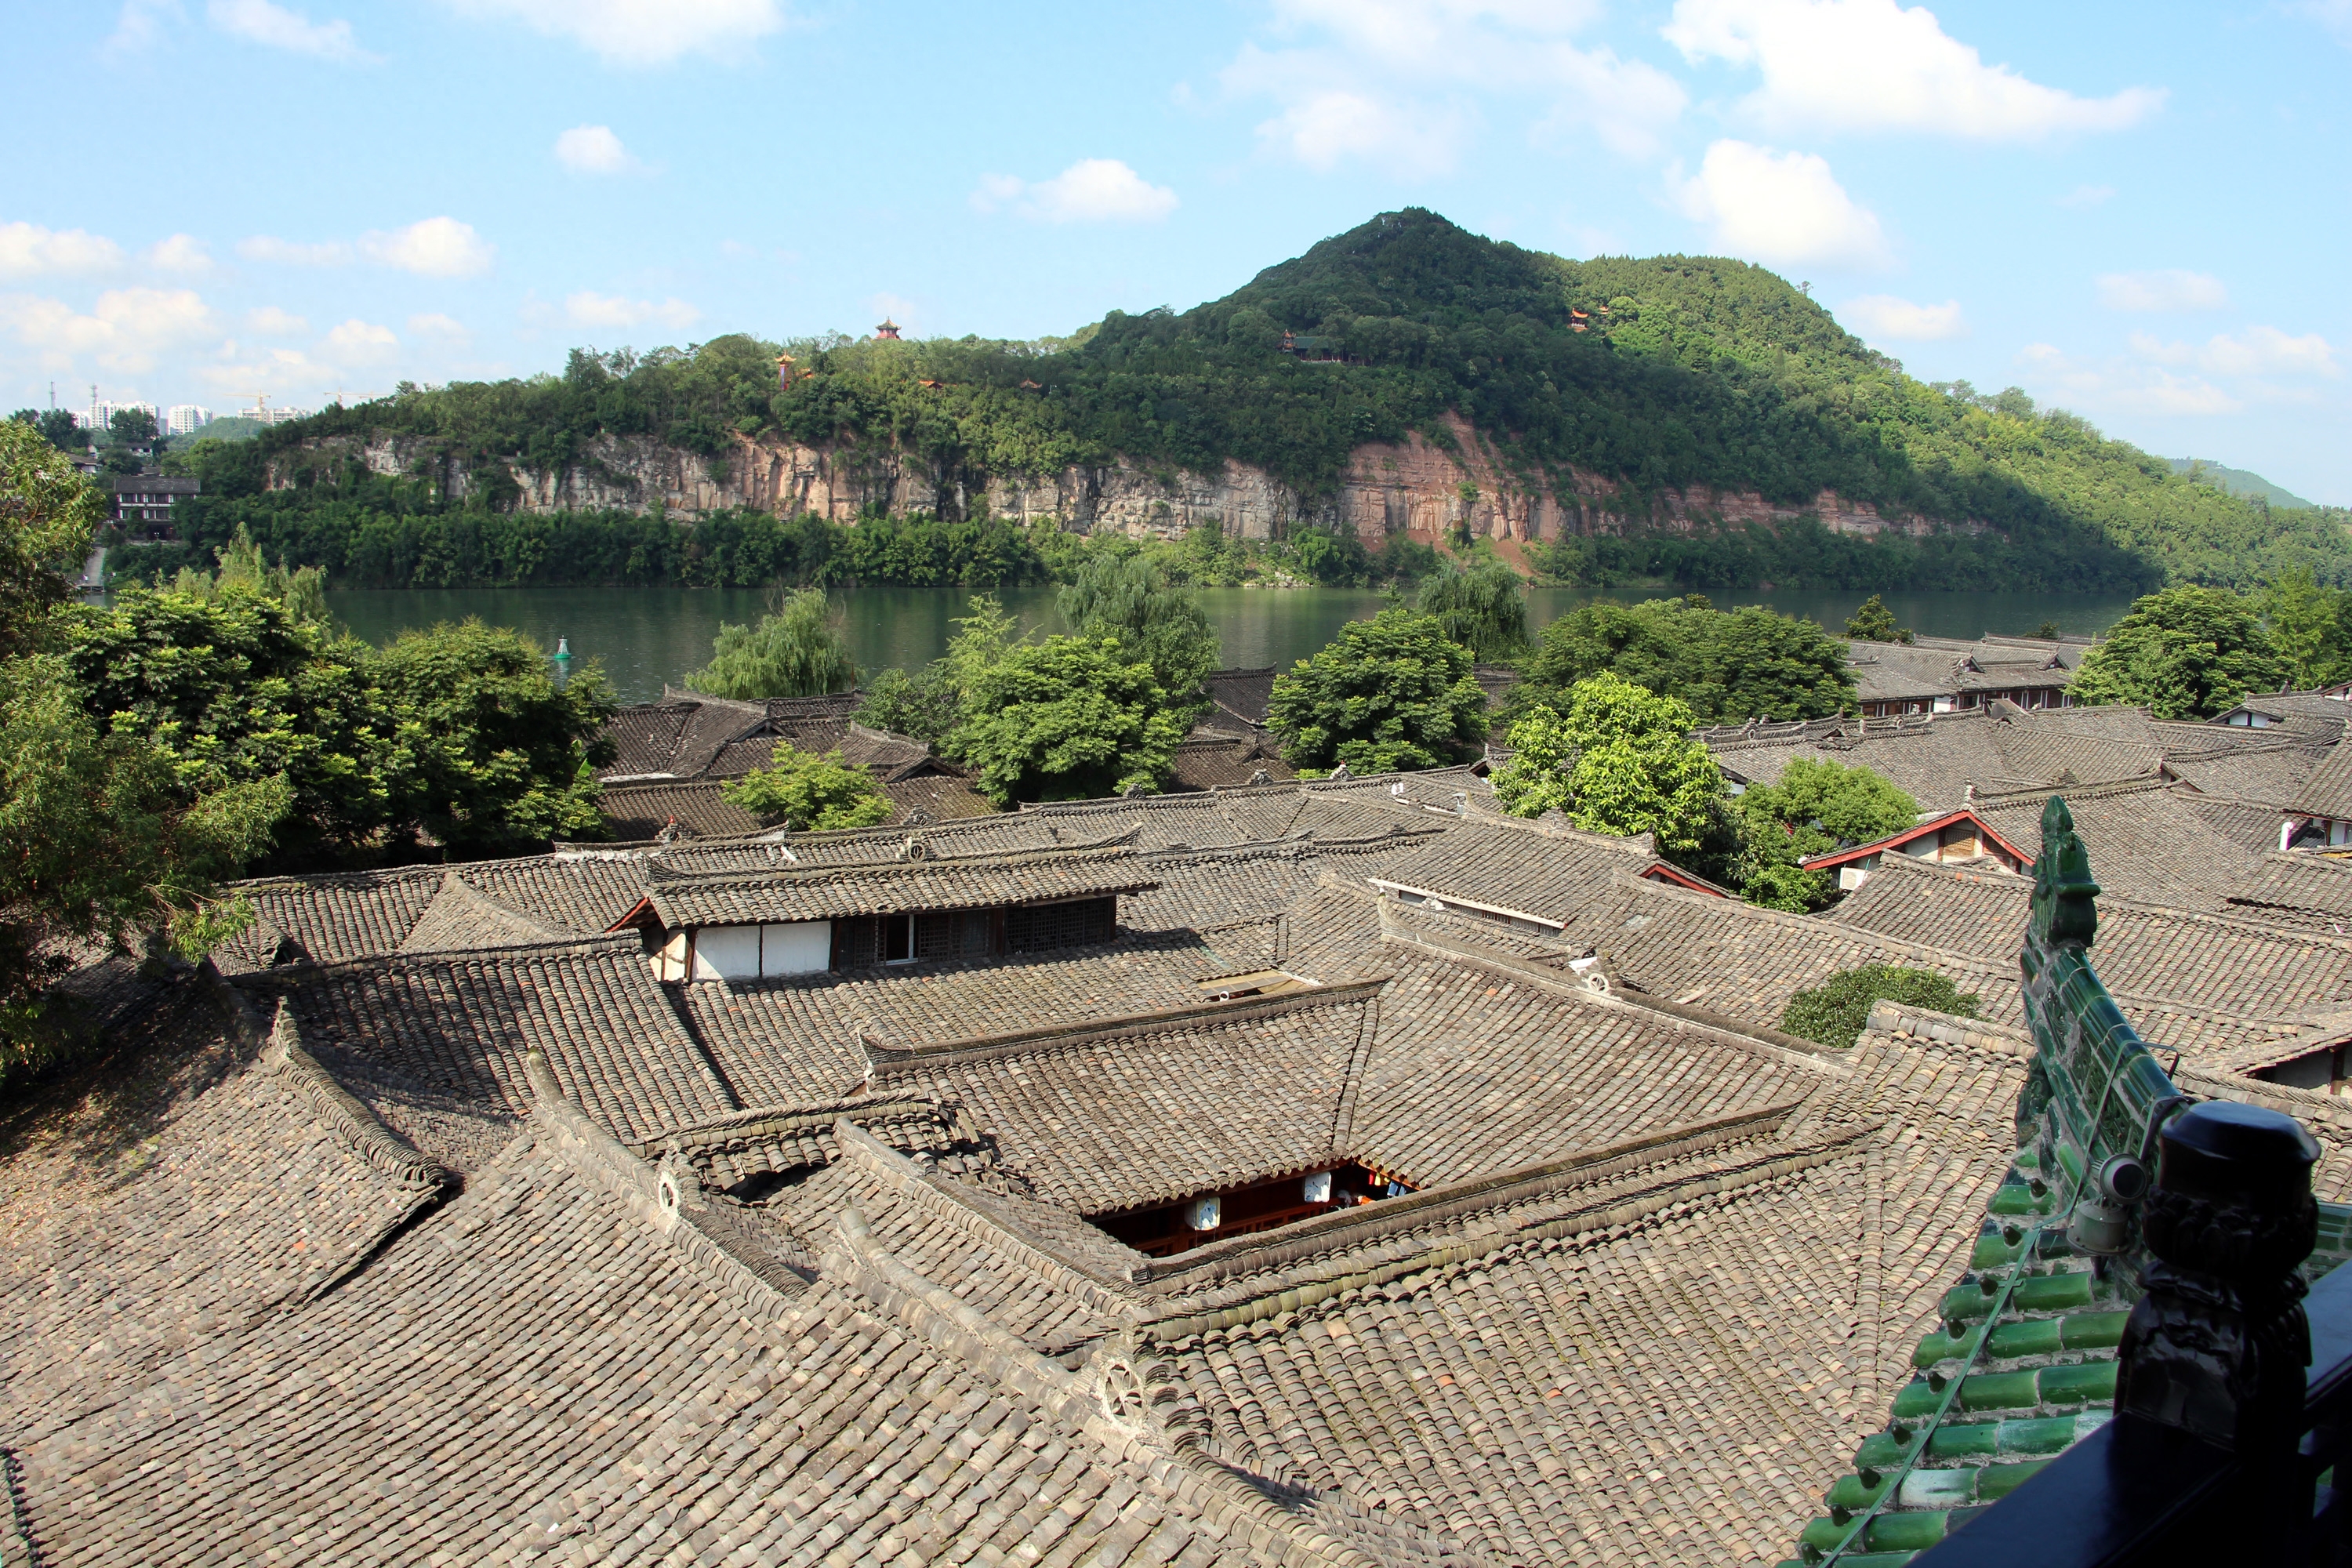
(1688, 370)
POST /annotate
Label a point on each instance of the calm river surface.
(648, 635)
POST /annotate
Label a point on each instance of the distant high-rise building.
(269, 415)
(102, 415)
(185, 419)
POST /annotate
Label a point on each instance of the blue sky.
(2138, 212)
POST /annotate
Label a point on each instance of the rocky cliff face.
(1417, 488)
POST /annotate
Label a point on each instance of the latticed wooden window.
(1060, 925)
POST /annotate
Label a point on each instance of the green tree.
(131, 427)
(57, 427)
(1815, 808)
(798, 649)
(1483, 606)
(232, 687)
(99, 841)
(923, 705)
(1637, 769)
(242, 570)
(2183, 653)
(810, 793)
(99, 845)
(1535, 778)
(1386, 695)
(1072, 717)
(497, 759)
(48, 513)
(1835, 1012)
(2307, 625)
(1728, 666)
(1132, 600)
(1874, 621)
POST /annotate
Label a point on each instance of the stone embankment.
(1416, 488)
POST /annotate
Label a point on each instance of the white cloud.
(1092, 190)
(1780, 208)
(642, 32)
(433, 247)
(594, 150)
(591, 310)
(2167, 291)
(141, 25)
(2087, 197)
(28, 250)
(442, 329)
(270, 322)
(239, 374)
(125, 329)
(274, 26)
(2336, 16)
(180, 253)
(293, 253)
(358, 342)
(1885, 317)
(1408, 139)
(1401, 84)
(1870, 65)
(2257, 351)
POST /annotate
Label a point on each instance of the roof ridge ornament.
(2065, 912)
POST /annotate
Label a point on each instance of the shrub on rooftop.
(1835, 1012)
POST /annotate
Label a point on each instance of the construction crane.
(260, 405)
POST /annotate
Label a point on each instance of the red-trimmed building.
(1954, 837)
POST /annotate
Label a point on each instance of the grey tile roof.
(2298, 886)
(388, 1421)
(2148, 842)
(832, 892)
(1105, 1120)
(459, 1023)
(2327, 789)
(2146, 954)
(1516, 867)
(1657, 1308)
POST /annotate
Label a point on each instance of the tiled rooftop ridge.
(2022, 1364)
(889, 1059)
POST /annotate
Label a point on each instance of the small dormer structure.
(799, 919)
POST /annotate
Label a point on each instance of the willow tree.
(799, 650)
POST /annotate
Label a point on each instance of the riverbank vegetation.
(1638, 376)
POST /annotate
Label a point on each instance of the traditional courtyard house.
(1948, 675)
(1287, 1223)
(1954, 838)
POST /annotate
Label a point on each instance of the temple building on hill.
(1284, 1174)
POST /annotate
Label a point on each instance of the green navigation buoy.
(563, 650)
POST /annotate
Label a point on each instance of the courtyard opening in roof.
(1164, 1230)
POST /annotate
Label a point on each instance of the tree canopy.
(1728, 667)
(810, 793)
(798, 649)
(1482, 606)
(2184, 653)
(1635, 768)
(1874, 621)
(1814, 808)
(1130, 598)
(1072, 717)
(1385, 695)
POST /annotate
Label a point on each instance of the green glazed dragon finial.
(2065, 909)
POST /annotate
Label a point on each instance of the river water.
(647, 637)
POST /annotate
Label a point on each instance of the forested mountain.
(1667, 372)
(2239, 482)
